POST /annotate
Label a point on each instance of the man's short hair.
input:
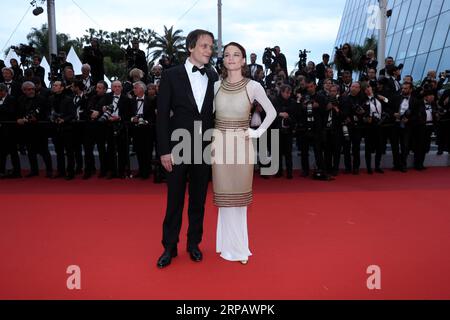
(103, 83)
(8, 69)
(285, 87)
(193, 36)
(408, 84)
(140, 84)
(325, 56)
(79, 84)
(29, 84)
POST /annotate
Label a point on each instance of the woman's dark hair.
(193, 36)
(244, 69)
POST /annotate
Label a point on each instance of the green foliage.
(114, 44)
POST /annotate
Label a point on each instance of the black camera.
(141, 121)
(303, 55)
(33, 114)
(267, 57)
(24, 52)
(346, 132)
(107, 114)
(54, 116)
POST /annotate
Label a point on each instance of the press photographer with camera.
(31, 111)
(141, 129)
(423, 124)
(86, 78)
(62, 115)
(404, 106)
(82, 115)
(285, 123)
(116, 110)
(18, 72)
(321, 69)
(311, 109)
(374, 135)
(136, 58)
(93, 56)
(343, 59)
(332, 130)
(355, 113)
(8, 135)
(95, 133)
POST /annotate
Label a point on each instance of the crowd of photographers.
(327, 115)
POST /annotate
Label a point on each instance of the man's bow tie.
(202, 70)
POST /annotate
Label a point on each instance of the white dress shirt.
(375, 107)
(199, 84)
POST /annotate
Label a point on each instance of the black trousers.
(332, 150)
(78, 137)
(142, 142)
(94, 134)
(401, 144)
(198, 176)
(63, 140)
(421, 137)
(36, 141)
(356, 135)
(306, 140)
(374, 142)
(286, 140)
(8, 146)
(443, 135)
(117, 150)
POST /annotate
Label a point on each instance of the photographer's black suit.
(8, 134)
(402, 133)
(142, 133)
(176, 96)
(117, 153)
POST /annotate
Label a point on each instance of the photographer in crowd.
(310, 113)
(116, 112)
(142, 124)
(285, 123)
(343, 59)
(8, 134)
(13, 87)
(62, 114)
(95, 133)
(31, 112)
(136, 59)
(93, 56)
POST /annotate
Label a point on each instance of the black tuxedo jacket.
(124, 105)
(16, 89)
(177, 108)
(148, 110)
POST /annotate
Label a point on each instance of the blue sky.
(293, 25)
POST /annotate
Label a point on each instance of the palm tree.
(170, 44)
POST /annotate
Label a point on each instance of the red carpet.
(310, 240)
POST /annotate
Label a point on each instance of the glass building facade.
(417, 32)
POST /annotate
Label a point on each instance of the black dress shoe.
(166, 258)
(32, 174)
(369, 171)
(379, 170)
(195, 254)
(403, 170)
(86, 176)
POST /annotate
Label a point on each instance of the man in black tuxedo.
(253, 66)
(186, 96)
(14, 88)
(141, 128)
(116, 113)
(8, 133)
(405, 109)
